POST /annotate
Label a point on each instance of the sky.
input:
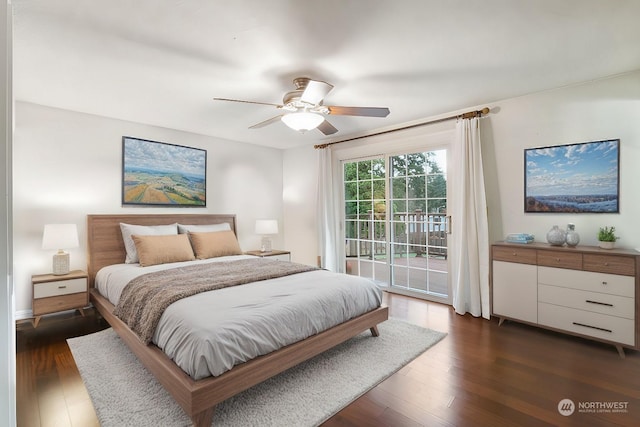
(576, 169)
(164, 157)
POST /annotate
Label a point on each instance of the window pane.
(364, 190)
(377, 168)
(399, 206)
(414, 205)
(436, 186)
(364, 170)
(415, 164)
(350, 229)
(351, 210)
(398, 166)
(350, 171)
(416, 188)
(379, 188)
(350, 191)
(398, 188)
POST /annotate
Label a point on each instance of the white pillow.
(129, 230)
(207, 228)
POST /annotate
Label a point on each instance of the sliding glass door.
(396, 222)
(365, 183)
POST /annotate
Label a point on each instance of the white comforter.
(207, 334)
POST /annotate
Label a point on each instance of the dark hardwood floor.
(481, 374)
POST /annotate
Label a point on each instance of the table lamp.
(60, 237)
(266, 227)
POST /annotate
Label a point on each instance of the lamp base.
(60, 264)
(266, 245)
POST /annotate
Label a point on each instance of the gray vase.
(572, 236)
(556, 236)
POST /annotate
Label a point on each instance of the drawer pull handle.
(558, 259)
(606, 264)
(515, 254)
(599, 303)
(604, 283)
(592, 327)
(62, 287)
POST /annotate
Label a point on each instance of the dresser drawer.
(560, 259)
(59, 303)
(609, 264)
(583, 280)
(62, 287)
(613, 305)
(610, 328)
(511, 254)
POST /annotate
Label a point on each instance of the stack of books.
(519, 238)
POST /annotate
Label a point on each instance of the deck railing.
(417, 233)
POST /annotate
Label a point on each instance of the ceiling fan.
(303, 109)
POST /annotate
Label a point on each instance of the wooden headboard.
(104, 238)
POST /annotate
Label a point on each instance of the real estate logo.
(566, 407)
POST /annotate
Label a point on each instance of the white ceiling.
(160, 62)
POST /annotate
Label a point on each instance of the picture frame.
(162, 174)
(573, 178)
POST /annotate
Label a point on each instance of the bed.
(198, 397)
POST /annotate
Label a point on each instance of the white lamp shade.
(302, 121)
(60, 236)
(266, 226)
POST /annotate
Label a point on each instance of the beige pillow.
(154, 250)
(215, 244)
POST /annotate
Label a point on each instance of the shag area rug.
(124, 393)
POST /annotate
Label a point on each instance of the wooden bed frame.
(199, 398)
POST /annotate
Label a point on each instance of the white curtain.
(328, 220)
(470, 231)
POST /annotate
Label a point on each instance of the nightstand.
(275, 253)
(52, 293)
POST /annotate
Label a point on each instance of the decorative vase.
(572, 236)
(606, 245)
(556, 236)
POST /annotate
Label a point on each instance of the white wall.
(299, 203)
(68, 165)
(604, 109)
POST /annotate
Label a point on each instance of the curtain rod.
(467, 115)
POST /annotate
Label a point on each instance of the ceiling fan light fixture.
(302, 121)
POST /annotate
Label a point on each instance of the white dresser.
(585, 291)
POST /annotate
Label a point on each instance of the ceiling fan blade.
(359, 111)
(327, 128)
(247, 102)
(266, 122)
(315, 92)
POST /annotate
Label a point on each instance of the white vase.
(556, 236)
(573, 238)
(606, 245)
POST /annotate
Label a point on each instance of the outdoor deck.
(420, 273)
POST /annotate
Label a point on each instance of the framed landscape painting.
(574, 178)
(161, 174)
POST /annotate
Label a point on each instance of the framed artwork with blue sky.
(573, 178)
(160, 174)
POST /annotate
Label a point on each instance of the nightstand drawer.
(59, 303)
(62, 287)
